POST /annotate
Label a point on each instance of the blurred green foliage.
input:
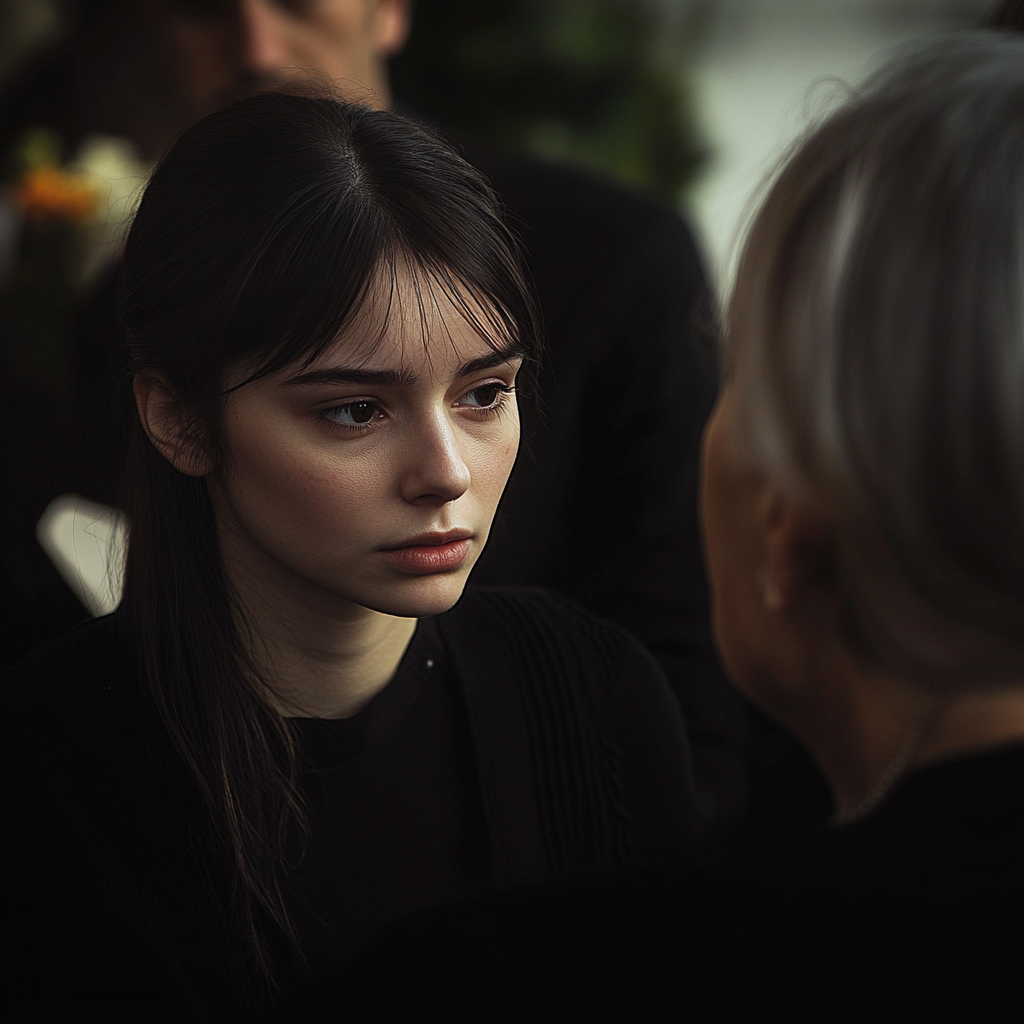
(597, 82)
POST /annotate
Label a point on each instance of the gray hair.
(875, 340)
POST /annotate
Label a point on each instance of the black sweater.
(914, 913)
(579, 753)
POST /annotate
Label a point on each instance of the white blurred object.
(87, 543)
(771, 69)
(120, 175)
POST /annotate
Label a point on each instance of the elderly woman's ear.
(170, 424)
(799, 554)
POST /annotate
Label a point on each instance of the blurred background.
(691, 99)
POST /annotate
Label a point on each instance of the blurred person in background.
(602, 503)
(863, 514)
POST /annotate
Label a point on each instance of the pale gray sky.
(768, 68)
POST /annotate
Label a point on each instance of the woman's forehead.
(411, 319)
(434, 349)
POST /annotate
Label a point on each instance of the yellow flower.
(48, 193)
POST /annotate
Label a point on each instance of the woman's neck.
(335, 670)
(321, 655)
(876, 728)
(978, 720)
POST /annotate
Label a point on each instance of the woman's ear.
(800, 552)
(170, 424)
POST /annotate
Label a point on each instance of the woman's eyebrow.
(391, 378)
(353, 375)
(489, 361)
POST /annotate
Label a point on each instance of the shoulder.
(571, 191)
(574, 207)
(533, 615)
(519, 602)
(69, 731)
(587, 707)
(537, 640)
(618, 273)
(67, 677)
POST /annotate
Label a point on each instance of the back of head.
(876, 341)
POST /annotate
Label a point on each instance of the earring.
(771, 592)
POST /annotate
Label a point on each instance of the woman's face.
(370, 478)
(732, 519)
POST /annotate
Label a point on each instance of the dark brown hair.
(257, 239)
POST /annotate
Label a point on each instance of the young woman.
(283, 740)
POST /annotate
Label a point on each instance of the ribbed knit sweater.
(580, 762)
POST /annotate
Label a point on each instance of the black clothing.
(35, 603)
(956, 823)
(602, 504)
(394, 803)
(915, 912)
(578, 757)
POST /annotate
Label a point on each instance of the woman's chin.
(419, 597)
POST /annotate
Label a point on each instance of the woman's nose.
(434, 464)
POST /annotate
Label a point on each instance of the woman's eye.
(354, 414)
(487, 396)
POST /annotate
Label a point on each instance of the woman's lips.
(422, 556)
